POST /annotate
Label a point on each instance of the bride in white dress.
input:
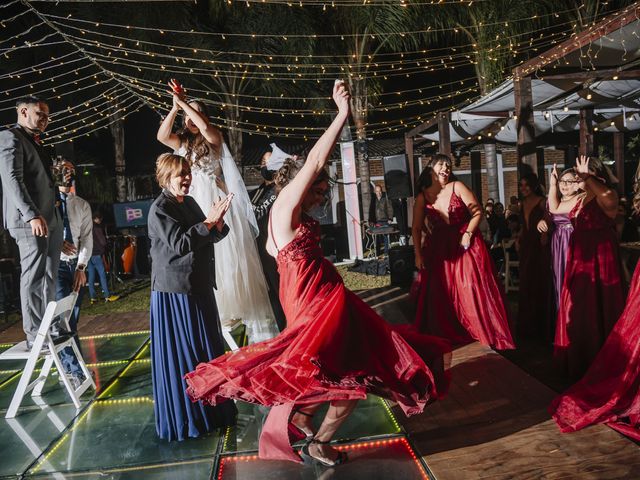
(241, 292)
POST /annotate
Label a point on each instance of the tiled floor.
(113, 434)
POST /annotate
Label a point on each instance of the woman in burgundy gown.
(335, 348)
(592, 295)
(564, 194)
(534, 271)
(610, 390)
(458, 294)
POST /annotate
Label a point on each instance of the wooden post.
(491, 162)
(408, 147)
(542, 173)
(444, 119)
(526, 146)
(476, 174)
(586, 131)
(618, 156)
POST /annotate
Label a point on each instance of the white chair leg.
(25, 378)
(42, 379)
(83, 365)
(66, 381)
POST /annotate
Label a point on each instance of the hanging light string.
(159, 90)
(50, 79)
(307, 69)
(223, 120)
(126, 101)
(44, 93)
(25, 32)
(42, 66)
(54, 27)
(358, 3)
(8, 4)
(223, 53)
(224, 35)
(104, 96)
(60, 139)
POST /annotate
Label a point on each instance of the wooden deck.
(494, 423)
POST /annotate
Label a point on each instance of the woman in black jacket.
(185, 329)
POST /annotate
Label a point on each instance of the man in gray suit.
(29, 209)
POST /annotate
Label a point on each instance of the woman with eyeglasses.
(592, 295)
(564, 194)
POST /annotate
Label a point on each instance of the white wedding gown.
(242, 289)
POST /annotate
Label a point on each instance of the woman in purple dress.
(564, 194)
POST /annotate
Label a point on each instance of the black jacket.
(181, 246)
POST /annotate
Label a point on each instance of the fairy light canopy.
(105, 71)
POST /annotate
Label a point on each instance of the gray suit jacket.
(28, 189)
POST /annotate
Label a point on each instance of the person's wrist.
(81, 267)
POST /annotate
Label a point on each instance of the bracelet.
(469, 232)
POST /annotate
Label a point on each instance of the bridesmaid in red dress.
(535, 311)
(610, 390)
(335, 348)
(458, 294)
(592, 295)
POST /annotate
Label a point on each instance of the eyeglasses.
(568, 182)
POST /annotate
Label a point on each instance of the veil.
(235, 184)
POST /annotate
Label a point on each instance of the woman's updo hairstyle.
(290, 169)
(168, 165)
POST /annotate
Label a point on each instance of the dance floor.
(493, 424)
(113, 434)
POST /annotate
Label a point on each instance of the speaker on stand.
(397, 180)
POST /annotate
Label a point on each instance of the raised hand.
(218, 209)
(582, 166)
(554, 174)
(341, 96)
(177, 92)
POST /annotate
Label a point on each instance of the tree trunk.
(491, 161)
(359, 113)
(117, 131)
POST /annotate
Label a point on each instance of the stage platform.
(493, 424)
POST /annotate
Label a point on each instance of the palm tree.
(361, 34)
(492, 31)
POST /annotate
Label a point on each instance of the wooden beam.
(605, 27)
(586, 131)
(612, 73)
(444, 134)
(526, 146)
(618, 156)
(422, 127)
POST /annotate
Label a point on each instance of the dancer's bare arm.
(291, 196)
(473, 206)
(165, 134)
(606, 197)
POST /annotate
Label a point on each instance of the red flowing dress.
(458, 294)
(592, 297)
(335, 347)
(610, 390)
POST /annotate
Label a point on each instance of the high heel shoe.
(310, 459)
(300, 432)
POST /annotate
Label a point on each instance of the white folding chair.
(510, 284)
(62, 308)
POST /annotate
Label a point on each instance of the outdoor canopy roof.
(594, 75)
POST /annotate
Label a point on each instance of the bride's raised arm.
(209, 132)
(292, 195)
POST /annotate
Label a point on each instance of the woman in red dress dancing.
(458, 294)
(610, 390)
(335, 348)
(592, 297)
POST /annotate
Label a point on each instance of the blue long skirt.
(185, 331)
